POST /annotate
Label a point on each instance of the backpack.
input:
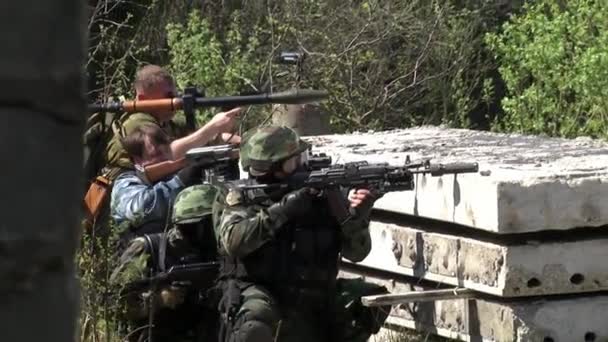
(98, 133)
(99, 130)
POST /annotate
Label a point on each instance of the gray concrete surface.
(526, 183)
(558, 320)
(508, 271)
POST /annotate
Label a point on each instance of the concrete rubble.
(508, 271)
(525, 184)
(542, 320)
(527, 232)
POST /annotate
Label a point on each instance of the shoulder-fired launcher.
(188, 101)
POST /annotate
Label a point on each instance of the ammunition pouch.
(95, 198)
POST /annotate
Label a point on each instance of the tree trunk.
(42, 111)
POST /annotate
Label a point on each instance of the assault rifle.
(381, 177)
(196, 272)
(206, 156)
(214, 156)
(318, 161)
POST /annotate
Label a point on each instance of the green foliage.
(99, 309)
(553, 59)
(222, 63)
(386, 64)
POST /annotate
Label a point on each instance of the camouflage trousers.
(261, 318)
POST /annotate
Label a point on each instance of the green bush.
(220, 63)
(553, 60)
(385, 64)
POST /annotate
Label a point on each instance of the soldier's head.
(192, 212)
(152, 83)
(273, 151)
(193, 204)
(147, 144)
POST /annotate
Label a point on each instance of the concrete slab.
(507, 271)
(526, 183)
(558, 320)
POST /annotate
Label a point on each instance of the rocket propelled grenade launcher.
(299, 96)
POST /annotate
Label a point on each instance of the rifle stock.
(158, 171)
(206, 156)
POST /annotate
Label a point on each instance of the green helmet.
(269, 145)
(193, 203)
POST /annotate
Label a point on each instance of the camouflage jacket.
(242, 229)
(116, 155)
(137, 203)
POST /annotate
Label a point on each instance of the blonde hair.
(149, 76)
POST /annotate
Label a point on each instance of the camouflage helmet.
(268, 145)
(193, 203)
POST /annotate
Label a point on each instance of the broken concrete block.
(546, 320)
(490, 267)
(525, 184)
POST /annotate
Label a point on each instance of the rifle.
(206, 156)
(381, 177)
(318, 161)
(178, 273)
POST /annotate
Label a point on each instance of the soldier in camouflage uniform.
(280, 253)
(182, 312)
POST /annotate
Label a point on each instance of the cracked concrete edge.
(507, 271)
(524, 186)
(556, 320)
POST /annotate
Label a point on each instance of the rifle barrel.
(452, 168)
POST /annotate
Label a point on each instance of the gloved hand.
(294, 204)
(190, 175)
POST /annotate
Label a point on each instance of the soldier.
(153, 82)
(181, 311)
(138, 207)
(280, 253)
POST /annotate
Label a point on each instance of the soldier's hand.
(362, 200)
(294, 204)
(172, 296)
(225, 121)
(191, 174)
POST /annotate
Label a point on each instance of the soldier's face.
(154, 153)
(291, 165)
(161, 90)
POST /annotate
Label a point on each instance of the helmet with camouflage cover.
(193, 203)
(267, 146)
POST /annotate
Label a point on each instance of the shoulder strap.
(152, 247)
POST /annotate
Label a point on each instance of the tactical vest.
(198, 235)
(301, 260)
